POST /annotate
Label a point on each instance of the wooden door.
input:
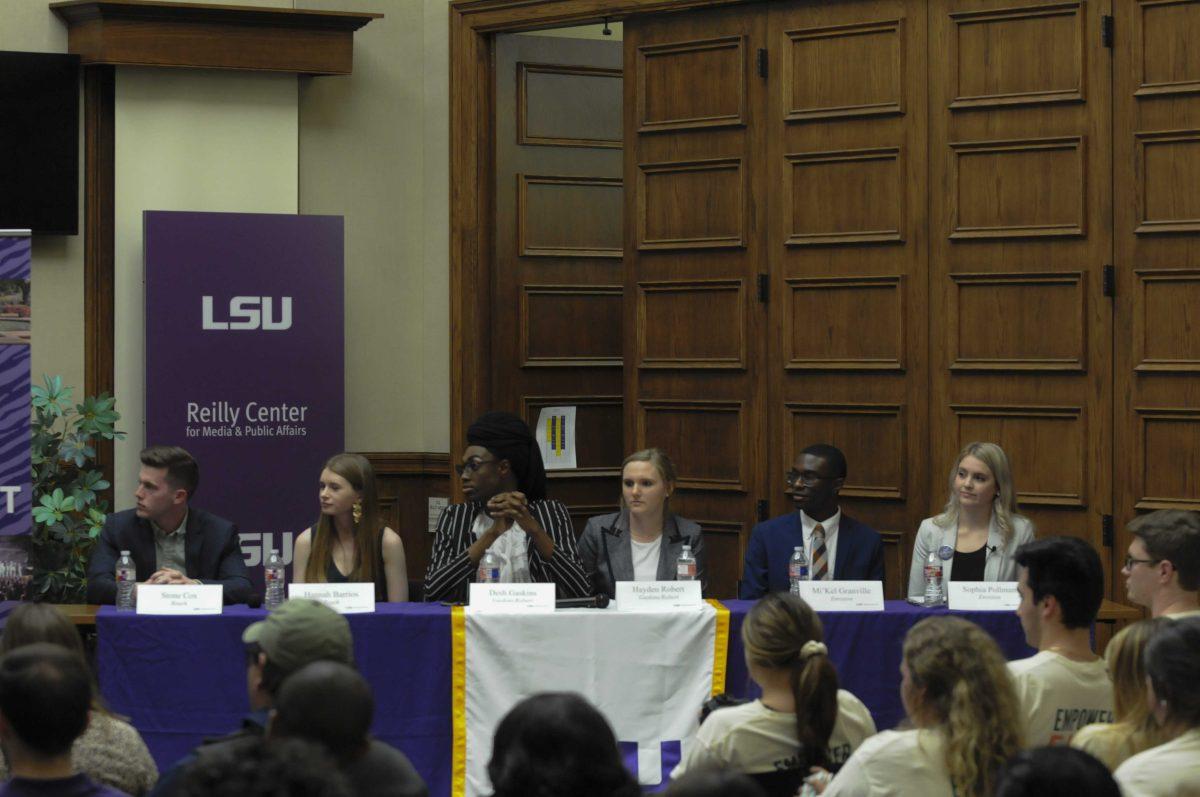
(1021, 203)
(556, 331)
(694, 215)
(1156, 132)
(848, 257)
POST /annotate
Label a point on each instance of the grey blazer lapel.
(668, 552)
(620, 550)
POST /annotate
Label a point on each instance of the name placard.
(633, 596)
(986, 596)
(843, 596)
(512, 598)
(358, 598)
(179, 598)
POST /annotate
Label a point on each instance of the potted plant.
(68, 512)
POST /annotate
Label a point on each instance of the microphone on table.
(590, 602)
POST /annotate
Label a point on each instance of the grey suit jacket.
(612, 531)
(1000, 564)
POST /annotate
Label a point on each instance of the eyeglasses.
(472, 466)
(1130, 562)
(794, 477)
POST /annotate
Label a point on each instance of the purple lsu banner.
(245, 362)
(16, 485)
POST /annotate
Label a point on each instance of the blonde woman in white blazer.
(979, 526)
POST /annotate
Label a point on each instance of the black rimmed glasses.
(1130, 562)
(794, 477)
(472, 466)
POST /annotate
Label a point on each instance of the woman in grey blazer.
(979, 525)
(643, 541)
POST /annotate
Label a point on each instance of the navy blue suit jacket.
(212, 554)
(859, 554)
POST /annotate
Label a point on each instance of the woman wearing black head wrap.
(506, 513)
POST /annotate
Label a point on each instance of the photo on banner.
(245, 362)
(16, 489)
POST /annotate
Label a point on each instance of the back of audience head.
(325, 702)
(783, 635)
(1164, 554)
(45, 697)
(30, 623)
(707, 783)
(298, 632)
(556, 743)
(954, 678)
(1171, 659)
(1124, 660)
(1053, 772)
(255, 767)
(1065, 570)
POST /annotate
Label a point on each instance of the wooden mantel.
(198, 35)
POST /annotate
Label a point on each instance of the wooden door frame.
(473, 23)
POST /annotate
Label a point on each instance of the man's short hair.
(255, 767)
(329, 703)
(182, 471)
(832, 454)
(1173, 535)
(1070, 570)
(298, 632)
(45, 697)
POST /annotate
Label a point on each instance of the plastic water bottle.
(126, 576)
(797, 569)
(685, 565)
(933, 580)
(275, 577)
(489, 569)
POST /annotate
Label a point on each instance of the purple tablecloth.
(181, 679)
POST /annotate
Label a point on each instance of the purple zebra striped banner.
(15, 487)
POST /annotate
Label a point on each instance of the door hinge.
(1106, 30)
(1109, 282)
(764, 509)
(1106, 530)
(764, 288)
(762, 63)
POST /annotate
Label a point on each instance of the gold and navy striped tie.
(820, 561)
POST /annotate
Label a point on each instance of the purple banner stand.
(16, 488)
(245, 362)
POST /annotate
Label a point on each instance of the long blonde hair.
(964, 686)
(1004, 505)
(1123, 658)
(368, 556)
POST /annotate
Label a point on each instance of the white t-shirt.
(645, 559)
(1059, 696)
(752, 738)
(896, 764)
(1169, 770)
(512, 547)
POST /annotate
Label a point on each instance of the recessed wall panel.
(707, 440)
(692, 205)
(569, 106)
(1169, 456)
(692, 84)
(691, 324)
(846, 197)
(872, 436)
(569, 216)
(844, 70)
(845, 323)
(1164, 47)
(1166, 323)
(599, 421)
(1168, 171)
(552, 315)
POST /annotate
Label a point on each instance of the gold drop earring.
(356, 511)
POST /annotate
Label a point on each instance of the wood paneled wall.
(406, 481)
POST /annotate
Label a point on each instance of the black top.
(969, 566)
(335, 576)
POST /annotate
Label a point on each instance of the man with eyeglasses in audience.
(1162, 567)
(838, 547)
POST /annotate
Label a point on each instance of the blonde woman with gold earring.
(350, 542)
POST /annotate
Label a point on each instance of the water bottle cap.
(124, 553)
(274, 550)
(687, 548)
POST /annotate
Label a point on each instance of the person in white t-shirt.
(1162, 566)
(1172, 769)
(1065, 686)
(958, 695)
(802, 719)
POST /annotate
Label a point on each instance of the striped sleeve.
(564, 568)
(450, 569)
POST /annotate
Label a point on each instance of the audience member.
(350, 541)
(110, 751)
(253, 767)
(1172, 769)
(170, 541)
(554, 744)
(1054, 772)
(958, 695)
(802, 719)
(1162, 567)
(714, 783)
(1065, 686)
(642, 542)
(507, 513)
(979, 529)
(1134, 728)
(330, 703)
(45, 697)
(838, 547)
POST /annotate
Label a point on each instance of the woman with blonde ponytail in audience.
(802, 719)
(958, 695)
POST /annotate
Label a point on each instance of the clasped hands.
(509, 508)
(168, 576)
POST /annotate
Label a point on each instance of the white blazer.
(998, 567)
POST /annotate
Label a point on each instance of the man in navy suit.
(170, 541)
(844, 549)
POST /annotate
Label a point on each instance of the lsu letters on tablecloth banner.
(648, 673)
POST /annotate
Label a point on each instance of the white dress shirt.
(830, 525)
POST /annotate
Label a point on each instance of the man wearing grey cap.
(299, 632)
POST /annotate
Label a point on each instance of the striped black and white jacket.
(450, 569)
